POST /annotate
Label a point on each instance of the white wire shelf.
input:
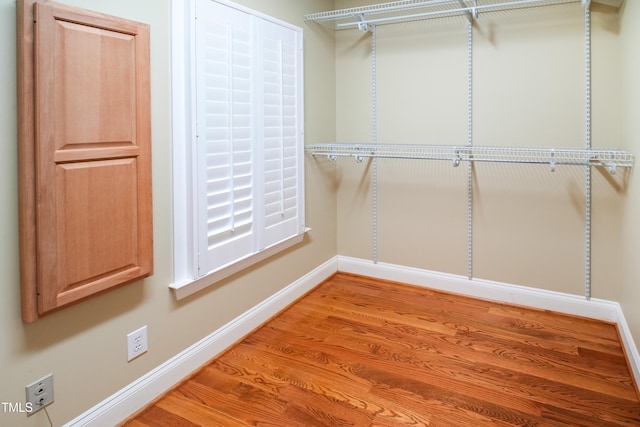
(413, 10)
(609, 158)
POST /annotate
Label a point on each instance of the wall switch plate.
(39, 394)
(137, 343)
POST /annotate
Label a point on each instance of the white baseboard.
(503, 292)
(146, 389)
(141, 392)
(629, 345)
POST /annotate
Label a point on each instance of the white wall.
(529, 90)
(84, 346)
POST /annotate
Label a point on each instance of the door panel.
(91, 145)
(90, 193)
(96, 83)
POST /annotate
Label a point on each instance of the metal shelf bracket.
(457, 159)
(473, 13)
(362, 24)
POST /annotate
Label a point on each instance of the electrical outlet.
(137, 343)
(39, 394)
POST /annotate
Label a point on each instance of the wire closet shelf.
(609, 158)
(412, 10)
(367, 17)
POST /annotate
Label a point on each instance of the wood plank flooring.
(363, 352)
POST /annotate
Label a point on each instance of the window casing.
(238, 139)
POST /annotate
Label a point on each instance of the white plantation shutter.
(249, 134)
(280, 63)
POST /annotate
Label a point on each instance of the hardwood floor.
(362, 352)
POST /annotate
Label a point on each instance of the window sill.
(184, 288)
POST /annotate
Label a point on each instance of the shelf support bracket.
(457, 159)
(612, 164)
(362, 24)
(333, 156)
(472, 14)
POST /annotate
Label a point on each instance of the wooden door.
(90, 182)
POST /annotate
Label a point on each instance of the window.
(238, 139)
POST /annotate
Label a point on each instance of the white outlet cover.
(39, 394)
(137, 343)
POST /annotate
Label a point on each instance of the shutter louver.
(248, 121)
(281, 132)
(225, 134)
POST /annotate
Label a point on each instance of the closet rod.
(609, 158)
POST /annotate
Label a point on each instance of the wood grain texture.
(84, 154)
(362, 352)
(26, 160)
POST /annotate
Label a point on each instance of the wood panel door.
(87, 167)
